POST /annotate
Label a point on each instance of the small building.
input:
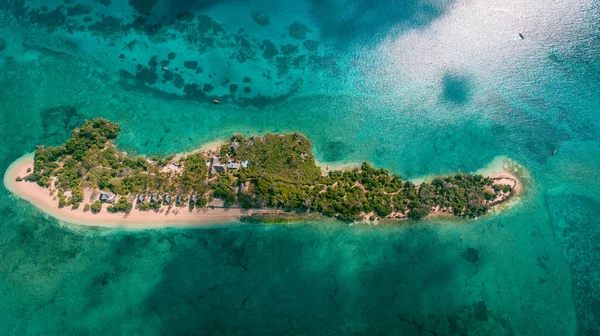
(217, 203)
(233, 165)
(141, 198)
(107, 197)
(154, 198)
(216, 167)
(245, 164)
(179, 200)
(235, 145)
(193, 199)
(167, 199)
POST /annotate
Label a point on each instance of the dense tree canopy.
(280, 173)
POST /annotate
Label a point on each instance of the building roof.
(107, 197)
(235, 145)
(216, 166)
(233, 165)
(245, 163)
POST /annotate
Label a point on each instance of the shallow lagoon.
(413, 93)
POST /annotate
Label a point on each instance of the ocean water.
(419, 87)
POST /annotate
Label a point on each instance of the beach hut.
(179, 200)
(107, 197)
(193, 199)
(167, 199)
(154, 198)
(141, 198)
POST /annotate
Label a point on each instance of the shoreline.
(136, 219)
(175, 217)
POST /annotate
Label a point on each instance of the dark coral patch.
(298, 31)
(207, 88)
(51, 20)
(131, 44)
(471, 255)
(168, 75)
(283, 65)
(192, 91)
(269, 49)
(143, 7)
(192, 65)
(185, 16)
(289, 49)
(107, 26)
(59, 121)
(299, 61)
(2, 44)
(247, 79)
(311, 45)
(178, 81)
(171, 56)
(261, 19)
(146, 75)
(153, 61)
(233, 88)
(78, 9)
(206, 25)
(247, 89)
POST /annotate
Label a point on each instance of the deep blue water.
(418, 87)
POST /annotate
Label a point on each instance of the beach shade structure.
(107, 197)
(141, 198)
(154, 198)
(193, 199)
(179, 200)
(167, 199)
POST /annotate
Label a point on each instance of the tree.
(96, 206)
(418, 210)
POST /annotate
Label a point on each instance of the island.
(88, 180)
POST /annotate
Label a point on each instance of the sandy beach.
(500, 169)
(505, 171)
(176, 217)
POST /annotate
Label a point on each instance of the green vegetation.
(96, 207)
(121, 206)
(280, 173)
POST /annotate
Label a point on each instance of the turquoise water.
(419, 87)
